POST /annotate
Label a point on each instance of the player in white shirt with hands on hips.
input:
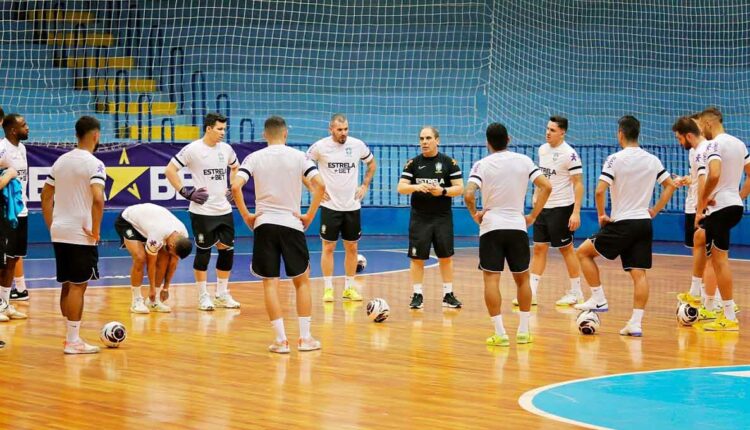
(279, 228)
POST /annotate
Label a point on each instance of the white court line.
(427, 266)
(526, 400)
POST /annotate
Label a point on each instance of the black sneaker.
(16, 296)
(416, 301)
(450, 301)
(2, 344)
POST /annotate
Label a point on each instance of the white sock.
(222, 286)
(328, 281)
(202, 288)
(447, 287)
(5, 294)
(717, 295)
(523, 322)
(20, 284)
(708, 302)
(703, 290)
(304, 327)
(157, 298)
(598, 294)
(729, 310)
(278, 328)
(695, 286)
(72, 334)
(637, 317)
(575, 285)
(534, 283)
(497, 321)
(417, 288)
(349, 282)
(136, 293)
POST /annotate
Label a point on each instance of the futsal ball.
(378, 310)
(588, 322)
(361, 263)
(3, 305)
(113, 334)
(686, 314)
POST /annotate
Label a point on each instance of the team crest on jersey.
(323, 228)
(438, 167)
(200, 237)
(554, 156)
(348, 152)
(221, 157)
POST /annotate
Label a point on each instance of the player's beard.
(96, 147)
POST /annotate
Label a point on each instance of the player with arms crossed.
(279, 229)
(503, 176)
(338, 157)
(210, 211)
(154, 237)
(561, 216)
(73, 206)
(432, 179)
(632, 174)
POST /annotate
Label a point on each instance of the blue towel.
(13, 196)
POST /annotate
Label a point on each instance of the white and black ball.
(588, 322)
(378, 310)
(686, 315)
(113, 334)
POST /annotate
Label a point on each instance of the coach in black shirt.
(432, 179)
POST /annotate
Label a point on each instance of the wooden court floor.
(420, 369)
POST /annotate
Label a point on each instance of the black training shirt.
(439, 170)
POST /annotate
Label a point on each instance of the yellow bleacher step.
(133, 85)
(157, 108)
(181, 132)
(85, 39)
(100, 63)
(71, 16)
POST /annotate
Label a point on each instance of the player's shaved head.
(274, 126)
(712, 112)
(338, 117)
(183, 247)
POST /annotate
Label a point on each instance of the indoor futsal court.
(230, 149)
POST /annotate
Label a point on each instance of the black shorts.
(77, 264)
(126, 230)
(17, 238)
(718, 226)
(498, 246)
(430, 230)
(209, 230)
(333, 222)
(273, 242)
(629, 239)
(689, 229)
(551, 226)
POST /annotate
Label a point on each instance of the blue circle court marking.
(702, 397)
(115, 270)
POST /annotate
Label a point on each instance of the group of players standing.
(73, 202)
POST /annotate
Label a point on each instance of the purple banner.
(135, 174)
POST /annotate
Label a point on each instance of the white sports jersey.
(558, 165)
(697, 164)
(208, 166)
(15, 157)
(632, 174)
(733, 155)
(72, 176)
(339, 166)
(277, 171)
(155, 223)
(503, 178)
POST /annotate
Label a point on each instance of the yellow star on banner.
(122, 177)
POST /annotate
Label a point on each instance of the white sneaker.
(309, 344)
(138, 306)
(3, 318)
(80, 347)
(570, 298)
(592, 305)
(13, 314)
(226, 301)
(158, 306)
(205, 303)
(631, 329)
(279, 347)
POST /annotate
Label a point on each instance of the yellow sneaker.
(705, 314)
(722, 324)
(328, 294)
(522, 338)
(533, 301)
(498, 340)
(352, 294)
(690, 299)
